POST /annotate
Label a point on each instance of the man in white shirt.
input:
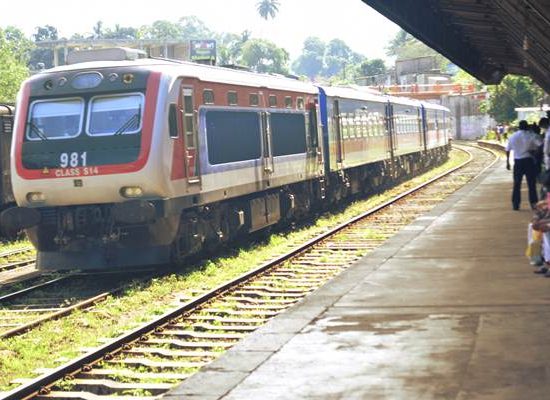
(522, 143)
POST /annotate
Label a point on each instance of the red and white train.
(131, 161)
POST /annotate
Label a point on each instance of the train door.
(390, 128)
(191, 155)
(267, 153)
(424, 127)
(337, 122)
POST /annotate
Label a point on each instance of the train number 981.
(73, 159)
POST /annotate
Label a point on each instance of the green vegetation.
(56, 341)
(513, 91)
(13, 58)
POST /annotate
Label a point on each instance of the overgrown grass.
(58, 341)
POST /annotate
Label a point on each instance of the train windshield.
(55, 119)
(115, 115)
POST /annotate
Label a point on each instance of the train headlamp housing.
(36, 197)
(131, 192)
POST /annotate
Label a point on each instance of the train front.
(83, 169)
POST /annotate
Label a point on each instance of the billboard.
(203, 50)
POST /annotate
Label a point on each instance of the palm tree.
(267, 8)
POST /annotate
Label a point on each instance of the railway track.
(17, 258)
(17, 265)
(25, 309)
(148, 361)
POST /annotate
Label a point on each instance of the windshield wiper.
(134, 119)
(39, 132)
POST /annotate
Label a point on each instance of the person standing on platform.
(522, 143)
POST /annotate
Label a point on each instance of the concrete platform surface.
(449, 308)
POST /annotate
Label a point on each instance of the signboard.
(203, 50)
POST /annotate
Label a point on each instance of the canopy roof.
(487, 38)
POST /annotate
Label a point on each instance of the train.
(120, 161)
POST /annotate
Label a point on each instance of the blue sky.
(362, 28)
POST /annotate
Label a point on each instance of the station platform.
(449, 308)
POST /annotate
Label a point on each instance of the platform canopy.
(487, 38)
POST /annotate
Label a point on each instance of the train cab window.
(272, 100)
(115, 115)
(300, 103)
(232, 98)
(55, 119)
(288, 102)
(208, 96)
(254, 99)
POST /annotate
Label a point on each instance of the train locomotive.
(127, 161)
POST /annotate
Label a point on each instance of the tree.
(513, 91)
(98, 30)
(376, 66)
(46, 32)
(405, 46)
(121, 32)
(193, 28)
(264, 56)
(311, 62)
(267, 8)
(230, 47)
(13, 69)
(162, 30)
(20, 46)
(338, 56)
(41, 57)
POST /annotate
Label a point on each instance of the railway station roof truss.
(487, 38)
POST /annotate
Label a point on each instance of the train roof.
(203, 72)
(353, 93)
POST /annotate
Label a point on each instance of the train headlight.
(131, 191)
(36, 197)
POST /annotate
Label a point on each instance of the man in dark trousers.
(522, 143)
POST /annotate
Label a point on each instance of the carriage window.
(115, 115)
(300, 103)
(208, 96)
(232, 136)
(254, 99)
(55, 119)
(288, 102)
(288, 133)
(232, 99)
(272, 100)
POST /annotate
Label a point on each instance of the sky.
(362, 28)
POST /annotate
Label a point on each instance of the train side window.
(232, 98)
(288, 102)
(300, 103)
(232, 136)
(272, 100)
(208, 96)
(254, 99)
(288, 133)
(188, 115)
(173, 121)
